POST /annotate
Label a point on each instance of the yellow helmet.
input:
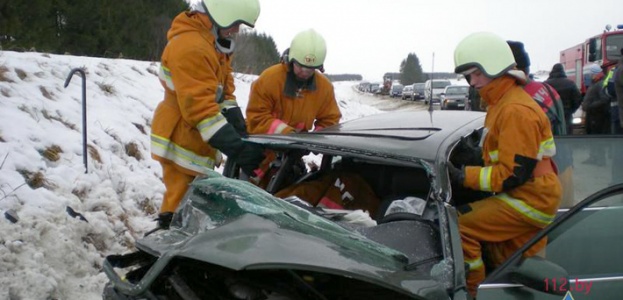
(485, 51)
(228, 13)
(308, 49)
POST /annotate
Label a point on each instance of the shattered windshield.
(214, 202)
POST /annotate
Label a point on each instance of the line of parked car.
(442, 91)
(413, 92)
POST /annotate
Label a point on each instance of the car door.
(582, 260)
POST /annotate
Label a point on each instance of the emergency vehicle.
(602, 49)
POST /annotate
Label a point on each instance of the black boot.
(164, 221)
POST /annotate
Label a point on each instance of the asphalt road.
(386, 103)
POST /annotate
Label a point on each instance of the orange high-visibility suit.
(280, 104)
(191, 72)
(517, 147)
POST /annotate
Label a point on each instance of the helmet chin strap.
(223, 45)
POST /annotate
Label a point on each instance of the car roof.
(403, 136)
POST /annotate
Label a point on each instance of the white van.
(436, 86)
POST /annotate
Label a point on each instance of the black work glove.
(247, 155)
(457, 176)
(467, 153)
(250, 158)
(235, 118)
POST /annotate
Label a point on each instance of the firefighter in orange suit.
(293, 96)
(199, 116)
(517, 147)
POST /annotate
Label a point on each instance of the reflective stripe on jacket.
(195, 77)
(517, 136)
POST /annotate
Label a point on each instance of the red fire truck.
(603, 49)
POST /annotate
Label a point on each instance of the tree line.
(134, 29)
(104, 28)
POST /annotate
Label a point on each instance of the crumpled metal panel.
(234, 224)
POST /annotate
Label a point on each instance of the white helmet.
(228, 13)
(308, 49)
(485, 51)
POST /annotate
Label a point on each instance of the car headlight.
(577, 121)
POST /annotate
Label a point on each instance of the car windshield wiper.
(415, 265)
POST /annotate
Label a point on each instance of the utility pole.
(430, 100)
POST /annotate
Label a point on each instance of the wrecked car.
(230, 239)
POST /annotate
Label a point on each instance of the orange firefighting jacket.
(192, 73)
(517, 148)
(276, 105)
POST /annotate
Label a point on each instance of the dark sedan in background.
(454, 97)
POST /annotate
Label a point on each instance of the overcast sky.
(371, 37)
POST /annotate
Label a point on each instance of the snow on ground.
(46, 253)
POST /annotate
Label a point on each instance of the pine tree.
(411, 70)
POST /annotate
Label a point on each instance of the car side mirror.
(536, 272)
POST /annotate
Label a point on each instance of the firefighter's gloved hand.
(227, 140)
(235, 118)
(468, 153)
(457, 176)
(247, 155)
(250, 158)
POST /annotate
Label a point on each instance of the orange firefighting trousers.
(176, 182)
(502, 229)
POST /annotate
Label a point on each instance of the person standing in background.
(545, 95)
(617, 159)
(614, 87)
(199, 116)
(568, 91)
(618, 87)
(596, 105)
